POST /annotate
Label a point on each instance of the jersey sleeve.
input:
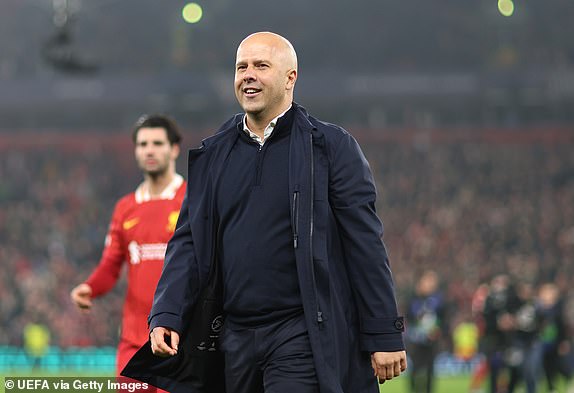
(106, 274)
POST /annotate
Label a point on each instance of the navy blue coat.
(342, 264)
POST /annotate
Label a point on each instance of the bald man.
(285, 205)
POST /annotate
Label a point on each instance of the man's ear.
(175, 150)
(291, 79)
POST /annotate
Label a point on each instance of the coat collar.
(227, 131)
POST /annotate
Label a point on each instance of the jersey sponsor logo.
(172, 220)
(132, 222)
(146, 252)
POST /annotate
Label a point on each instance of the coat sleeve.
(175, 293)
(352, 196)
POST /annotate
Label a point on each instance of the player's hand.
(388, 365)
(159, 345)
(82, 297)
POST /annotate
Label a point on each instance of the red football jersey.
(138, 234)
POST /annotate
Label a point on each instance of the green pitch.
(442, 384)
(454, 384)
(397, 385)
(460, 384)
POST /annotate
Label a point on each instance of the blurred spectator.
(499, 308)
(525, 351)
(557, 349)
(427, 325)
(36, 341)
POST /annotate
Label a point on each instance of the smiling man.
(285, 204)
(142, 223)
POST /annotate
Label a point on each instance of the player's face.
(262, 78)
(154, 154)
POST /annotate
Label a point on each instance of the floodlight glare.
(192, 13)
(506, 7)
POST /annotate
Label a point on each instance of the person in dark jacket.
(498, 313)
(285, 205)
(554, 335)
(428, 325)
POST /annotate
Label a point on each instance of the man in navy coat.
(285, 204)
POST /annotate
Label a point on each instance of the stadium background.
(464, 113)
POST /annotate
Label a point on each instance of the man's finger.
(374, 365)
(174, 341)
(382, 373)
(158, 345)
(84, 302)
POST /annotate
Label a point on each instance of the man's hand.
(82, 297)
(388, 365)
(159, 346)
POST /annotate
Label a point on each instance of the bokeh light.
(506, 7)
(192, 13)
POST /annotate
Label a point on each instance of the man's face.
(262, 78)
(153, 152)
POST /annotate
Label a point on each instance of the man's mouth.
(250, 91)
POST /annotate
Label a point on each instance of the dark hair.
(158, 121)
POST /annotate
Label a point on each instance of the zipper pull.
(320, 318)
(295, 218)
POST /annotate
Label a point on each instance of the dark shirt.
(256, 247)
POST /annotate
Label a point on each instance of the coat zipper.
(295, 216)
(312, 218)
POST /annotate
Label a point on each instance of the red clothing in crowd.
(138, 234)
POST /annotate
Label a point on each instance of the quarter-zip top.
(257, 258)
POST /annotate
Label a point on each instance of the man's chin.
(252, 108)
(154, 173)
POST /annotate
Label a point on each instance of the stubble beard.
(155, 173)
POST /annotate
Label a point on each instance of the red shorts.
(125, 352)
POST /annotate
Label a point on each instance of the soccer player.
(142, 223)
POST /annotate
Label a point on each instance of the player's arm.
(106, 274)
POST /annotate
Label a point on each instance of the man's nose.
(149, 150)
(249, 75)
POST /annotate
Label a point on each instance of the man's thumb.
(174, 340)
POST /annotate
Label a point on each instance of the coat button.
(399, 324)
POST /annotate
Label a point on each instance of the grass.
(458, 384)
(397, 385)
(443, 384)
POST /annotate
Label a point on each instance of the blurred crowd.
(472, 210)
(55, 205)
(469, 210)
(481, 239)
